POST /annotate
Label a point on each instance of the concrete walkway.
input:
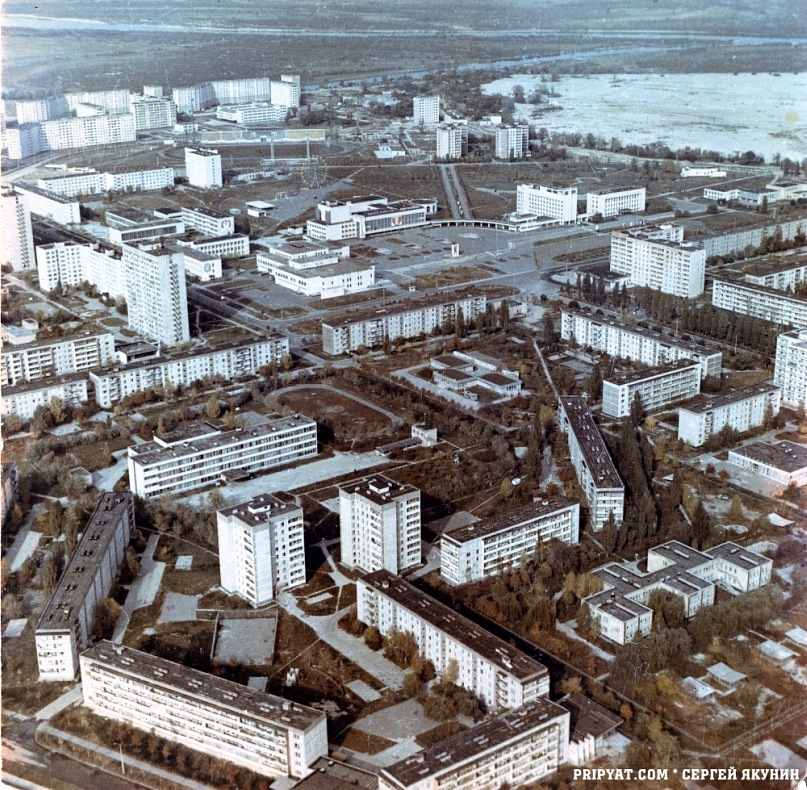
(144, 588)
(105, 479)
(568, 629)
(57, 706)
(26, 541)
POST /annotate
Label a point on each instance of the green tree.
(48, 575)
(636, 409)
(548, 328)
(213, 409)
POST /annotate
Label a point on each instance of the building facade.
(452, 141)
(498, 673)
(203, 167)
(242, 91)
(359, 217)
(487, 547)
(65, 626)
(152, 112)
(551, 202)
(727, 242)
(69, 263)
(426, 110)
(23, 400)
(207, 221)
(379, 525)
(657, 387)
(16, 234)
(50, 205)
(783, 461)
(759, 301)
(512, 141)
(261, 551)
(611, 202)
(790, 371)
(122, 180)
(254, 113)
(262, 732)
(285, 92)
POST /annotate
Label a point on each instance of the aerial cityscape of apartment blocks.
(261, 551)
(487, 547)
(499, 674)
(65, 627)
(790, 370)
(656, 387)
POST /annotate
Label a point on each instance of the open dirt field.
(337, 409)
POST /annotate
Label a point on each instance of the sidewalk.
(157, 773)
(57, 706)
(143, 590)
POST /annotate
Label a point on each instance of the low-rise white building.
(235, 245)
(262, 732)
(203, 455)
(65, 627)
(790, 371)
(629, 341)
(515, 749)
(487, 547)
(702, 171)
(501, 675)
(49, 205)
(144, 231)
(203, 266)
(464, 372)
(657, 387)
(759, 301)
(551, 202)
(783, 461)
(611, 202)
(261, 551)
(596, 473)
(23, 400)
(118, 180)
(379, 525)
(741, 410)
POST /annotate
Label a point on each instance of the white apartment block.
(452, 141)
(262, 732)
(49, 204)
(24, 141)
(621, 607)
(16, 234)
(407, 319)
(790, 371)
(229, 360)
(285, 92)
(741, 410)
(207, 221)
(660, 259)
(254, 113)
(194, 98)
(38, 110)
(516, 749)
(596, 473)
(787, 271)
(783, 462)
(154, 90)
(726, 242)
(156, 294)
(203, 167)
(379, 525)
(261, 551)
(109, 101)
(203, 455)
(65, 627)
(610, 202)
(513, 142)
(230, 246)
(426, 110)
(759, 301)
(242, 91)
(498, 673)
(23, 400)
(486, 547)
(95, 183)
(359, 217)
(627, 341)
(87, 131)
(657, 387)
(151, 112)
(541, 201)
(58, 356)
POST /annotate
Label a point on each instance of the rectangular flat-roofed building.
(515, 749)
(610, 202)
(452, 141)
(49, 205)
(262, 732)
(70, 263)
(179, 462)
(94, 183)
(629, 341)
(66, 623)
(592, 463)
(782, 461)
(513, 141)
(790, 371)
(360, 217)
(486, 547)
(657, 387)
(551, 202)
(498, 673)
(24, 399)
(203, 167)
(787, 271)
(726, 242)
(426, 110)
(208, 221)
(741, 410)
(759, 301)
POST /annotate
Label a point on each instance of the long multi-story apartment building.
(203, 167)
(596, 473)
(379, 525)
(261, 551)
(512, 141)
(23, 400)
(58, 356)
(243, 91)
(228, 360)
(194, 98)
(452, 141)
(785, 272)
(657, 387)
(107, 181)
(621, 607)
(487, 547)
(109, 101)
(498, 673)
(636, 343)
(69, 263)
(37, 110)
(16, 232)
(48, 204)
(784, 462)
(741, 410)
(156, 294)
(62, 133)
(253, 113)
(202, 455)
(551, 202)
(790, 371)
(760, 301)
(659, 258)
(407, 319)
(426, 110)
(610, 202)
(516, 749)
(152, 112)
(727, 242)
(262, 732)
(66, 624)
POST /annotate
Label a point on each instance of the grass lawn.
(91, 456)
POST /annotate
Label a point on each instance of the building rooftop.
(82, 334)
(454, 375)
(378, 489)
(41, 384)
(74, 585)
(509, 520)
(737, 555)
(783, 455)
(587, 717)
(776, 651)
(211, 691)
(35, 190)
(737, 282)
(461, 629)
(615, 190)
(206, 212)
(499, 379)
(592, 445)
(450, 361)
(334, 775)
(760, 267)
(725, 673)
(477, 740)
(186, 433)
(707, 403)
(634, 376)
(258, 510)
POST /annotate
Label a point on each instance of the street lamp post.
(122, 765)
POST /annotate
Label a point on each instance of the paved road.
(451, 197)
